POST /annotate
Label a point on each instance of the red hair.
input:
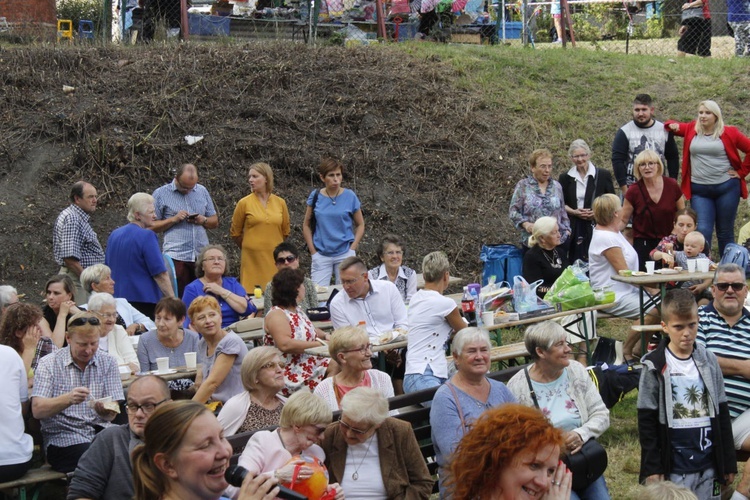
(492, 444)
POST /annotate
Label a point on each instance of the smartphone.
(192, 216)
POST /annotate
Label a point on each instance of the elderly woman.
(288, 328)
(260, 405)
(211, 267)
(521, 448)
(19, 329)
(303, 422)
(183, 448)
(432, 318)
(59, 292)
(391, 253)
(134, 256)
(538, 195)
(220, 353)
(113, 338)
(609, 253)
(653, 202)
(580, 185)
(97, 279)
(565, 393)
(713, 171)
(466, 395)
(286, 255)
(372, 455)
(169, 339)
(350, 348)
(333, 225)
(544, 261)
(260, 222)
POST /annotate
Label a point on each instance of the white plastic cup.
(650, 266)
(162, 365)
(488, 318)
(702, 265)
(691, 265)
(190, 360)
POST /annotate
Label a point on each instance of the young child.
(683, 418)
(685, 221)
(693, 249)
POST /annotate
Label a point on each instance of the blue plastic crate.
(512, 30)
(201, 25)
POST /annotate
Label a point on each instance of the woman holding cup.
(169, 340)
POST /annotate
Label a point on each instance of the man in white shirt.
(377, 304)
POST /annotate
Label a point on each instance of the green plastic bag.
(575, 297)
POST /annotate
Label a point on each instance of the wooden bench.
(29, 485)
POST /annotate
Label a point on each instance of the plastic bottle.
(468, 307)
(258, 292)
(477, 306)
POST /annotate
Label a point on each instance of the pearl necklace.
(355, 474)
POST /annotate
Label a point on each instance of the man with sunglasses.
(69, 390)
(286, 255)
(724, 328)
(105, 471)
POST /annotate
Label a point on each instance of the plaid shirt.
(184, 240)
(57, 374)
(74, 237)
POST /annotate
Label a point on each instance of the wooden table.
(251, 329)
(182, 372)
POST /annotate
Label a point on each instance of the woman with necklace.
(211, 267)
(713, 173)
(461, 400)
(544, 260)
(538, 195)
(260, 405)
(580, 185)
(391, 255)
(350, 348)
(564, 392)
(653, 201)
(169, 339)
(372, 455)
(333, 225)
(260, 222)
(301, 427)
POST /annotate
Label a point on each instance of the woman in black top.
(581, 185)
(545, 260)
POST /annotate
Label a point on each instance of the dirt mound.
(423, 154)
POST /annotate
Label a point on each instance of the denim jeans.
(716, 203)
(323, 267)
(414, 382)
(596, 491)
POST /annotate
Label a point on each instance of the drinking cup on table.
(691, 265)
(488, 318)
(702, 265)
(650, 266)
(190, 360)
(162, 365)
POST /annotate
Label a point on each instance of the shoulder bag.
(313, 222)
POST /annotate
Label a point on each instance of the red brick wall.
(29, 11)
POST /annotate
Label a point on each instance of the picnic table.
(251, 329)
(175, 373)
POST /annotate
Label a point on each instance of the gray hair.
(468, 335)
(579, 144)
(6, 294)
(138, 203)
(92, 275)
(365, 405)
(99, 300)
(727, 268)
(305, 408)
(542, 335)
(434, 266)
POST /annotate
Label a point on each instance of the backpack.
(504, 262)
(736, 254)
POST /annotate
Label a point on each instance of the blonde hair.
(716, 110)
(605, 207)
(365, 405)
(538, 153)
(666, 490)
(696, 236)
(644, 157)
(434, 266)
(138, 203)
(345, 338)
(265, 170)
(305, 408)
(542, 227)
(253, 362)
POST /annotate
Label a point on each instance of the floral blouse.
(302, 370)
(529, 203)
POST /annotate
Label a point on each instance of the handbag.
(588, 464)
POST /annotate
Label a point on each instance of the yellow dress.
(261, 230)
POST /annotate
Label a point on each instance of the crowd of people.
(67, 357)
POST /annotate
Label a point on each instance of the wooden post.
(566, 23)
(184, 28)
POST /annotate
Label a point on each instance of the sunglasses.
(286, 260)
(83, 320)
(723, 287)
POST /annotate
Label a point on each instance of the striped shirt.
(728, 342)
(57, 374)
(74, 237)
(184, 240)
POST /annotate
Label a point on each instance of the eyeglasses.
(354, 429)
(273, 364)
(649, 164)
(394, 252)
(83, 320)
(579, 157)
(286, 260)
(147, 408)
(723, 287)
(214, 259)
(107, 315)
(362, 350)
(351, 282)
